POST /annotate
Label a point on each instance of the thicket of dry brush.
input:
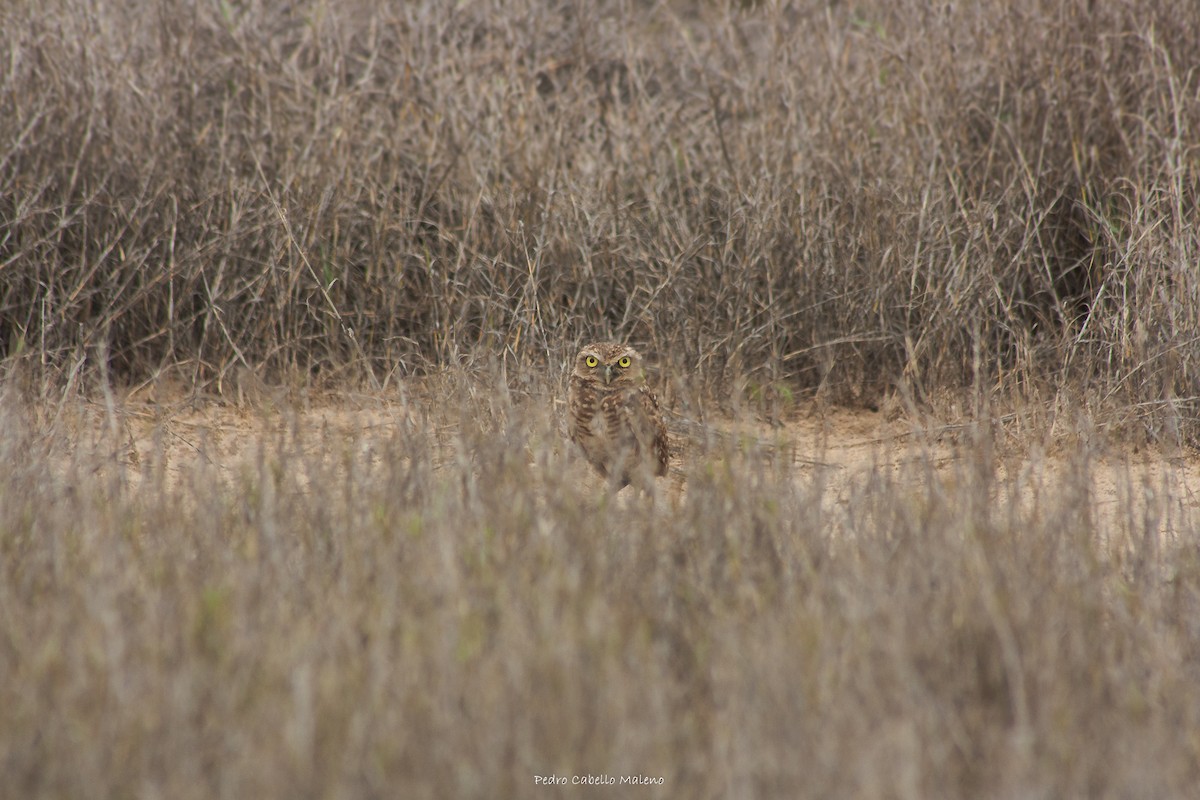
(853, 196)
(442, 609)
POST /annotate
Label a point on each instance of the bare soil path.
(837, 450)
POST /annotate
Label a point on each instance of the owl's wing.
(650, 430)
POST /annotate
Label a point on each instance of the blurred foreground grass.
(445, 606)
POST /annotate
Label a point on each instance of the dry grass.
(438, 606)
(993, 202)
(860, 198)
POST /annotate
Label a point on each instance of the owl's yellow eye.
(591, 361)
(624, 362)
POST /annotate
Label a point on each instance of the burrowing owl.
(614, 417)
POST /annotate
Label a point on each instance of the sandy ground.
(838, 449)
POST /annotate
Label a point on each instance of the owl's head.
(611, 364)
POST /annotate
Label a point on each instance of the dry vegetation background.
(434, 204)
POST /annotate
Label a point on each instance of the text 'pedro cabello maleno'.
(597, 780)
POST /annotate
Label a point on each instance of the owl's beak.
(608, 373)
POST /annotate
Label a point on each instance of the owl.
(614, 417)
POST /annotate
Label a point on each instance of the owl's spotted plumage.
(614, 417)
